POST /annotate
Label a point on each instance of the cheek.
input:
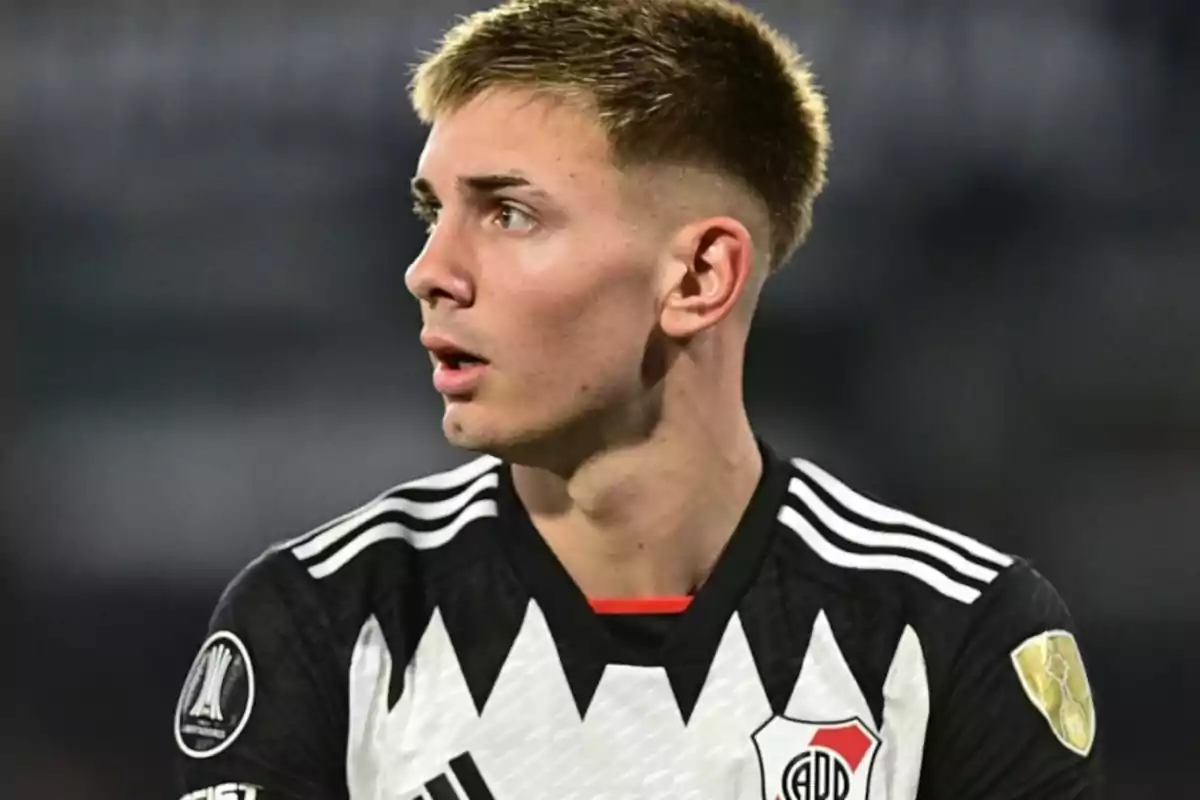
(577, 310)
(591, 342)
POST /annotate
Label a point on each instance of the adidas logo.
(461, 782)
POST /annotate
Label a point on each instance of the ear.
(710, 266)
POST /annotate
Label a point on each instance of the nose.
(438, 274)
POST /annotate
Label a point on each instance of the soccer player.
(626, 594)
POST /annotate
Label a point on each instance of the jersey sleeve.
(262, 713)
(1016, 719)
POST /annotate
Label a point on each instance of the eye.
(427, 212)
(513, 218)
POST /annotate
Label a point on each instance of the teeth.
(459, 360)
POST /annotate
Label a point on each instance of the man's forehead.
(508, 131)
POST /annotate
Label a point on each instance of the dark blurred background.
(206, 344)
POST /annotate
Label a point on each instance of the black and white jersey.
(430, 645)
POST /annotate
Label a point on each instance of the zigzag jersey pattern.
(429, 644)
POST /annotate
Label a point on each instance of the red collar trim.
(640, 605)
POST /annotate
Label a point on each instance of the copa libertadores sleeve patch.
(217, 697)
(1052, 674)
(225, 791)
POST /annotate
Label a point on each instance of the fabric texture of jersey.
(431, 645)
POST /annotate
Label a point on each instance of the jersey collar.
(697, 631)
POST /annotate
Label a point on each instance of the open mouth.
(452, 358)
(456, 373)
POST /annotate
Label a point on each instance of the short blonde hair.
(697, 82)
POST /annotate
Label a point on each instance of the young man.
(628, 595)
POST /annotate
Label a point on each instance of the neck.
(649, 517)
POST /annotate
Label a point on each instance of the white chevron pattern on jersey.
(905, 718)
(979, 563)
(334, 540)
(530, 741)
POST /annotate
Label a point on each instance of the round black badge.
(217, 697)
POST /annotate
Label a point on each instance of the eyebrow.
(422, 189)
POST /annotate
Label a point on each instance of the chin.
(468, 426)
(463, 430)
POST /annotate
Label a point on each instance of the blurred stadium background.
(206, 344)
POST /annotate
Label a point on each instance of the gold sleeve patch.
(1052, 674)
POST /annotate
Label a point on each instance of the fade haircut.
(704, 83)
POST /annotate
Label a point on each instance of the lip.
(451, 377)
(440, 343)
(457, 381)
